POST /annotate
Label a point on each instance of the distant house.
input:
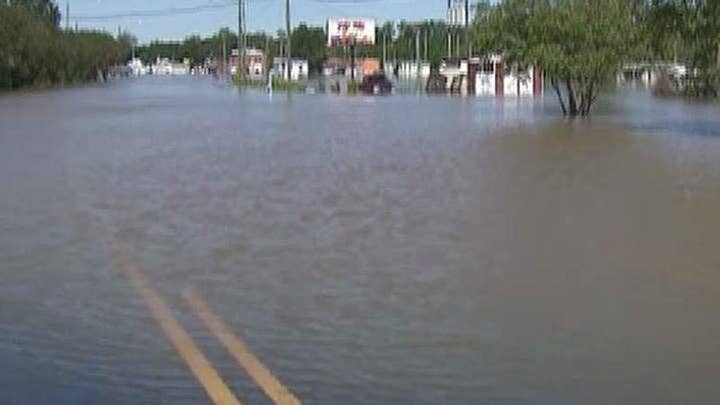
(491, 76)
(341, 66)
(254, 63)
(298, 68)
(163, 66)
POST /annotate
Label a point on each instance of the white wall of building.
(298, 69)
(485, 84)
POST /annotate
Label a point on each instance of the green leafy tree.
(34, 52)
(309, 43)
(46, 9)
(688, 31)
(578, 43)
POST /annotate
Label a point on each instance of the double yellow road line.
(216, 389)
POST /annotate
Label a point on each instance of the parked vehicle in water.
(376, 83)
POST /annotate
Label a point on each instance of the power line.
(157, 12)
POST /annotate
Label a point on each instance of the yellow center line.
(208, 377)
(252, 365)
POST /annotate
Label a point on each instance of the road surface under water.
(393, 250)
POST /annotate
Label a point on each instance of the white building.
(137, 68)
(255, 63)
(494, 78)
(163, 66)
(298, 68)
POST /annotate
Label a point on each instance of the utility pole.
(384, 57)
(224, 54)
(467, 28)
(288, 49)
(449, 45)
(67, 15)
(426, 46)
(245, 27)
(267, 54)
(352, 59)
(457, 46)
(417, 51)
(241, 39)
(467, 13)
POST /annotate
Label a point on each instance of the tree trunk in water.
(590, 98)
(555, 86)
(572, 101)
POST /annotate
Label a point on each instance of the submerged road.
(175, 240)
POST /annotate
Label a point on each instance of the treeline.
(34, 51)
(310, 42)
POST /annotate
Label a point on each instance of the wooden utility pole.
(449, 45)
(457, 46)
(426, 45)
(224, 54)
(67, 15)
(467, 28)
(352, 60)
(288, 49)
(267, 51)
(384, 56)
(467, 13)
(417, 51)
(241, 39)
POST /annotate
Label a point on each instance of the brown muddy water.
(395, 250)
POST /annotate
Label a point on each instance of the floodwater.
(392, 250)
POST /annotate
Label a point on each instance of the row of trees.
(310, 42)
(35, 52)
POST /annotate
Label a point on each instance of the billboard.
(347, 31)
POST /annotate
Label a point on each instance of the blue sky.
(267, 15)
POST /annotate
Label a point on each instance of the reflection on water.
(403, 249)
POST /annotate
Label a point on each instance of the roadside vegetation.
(578, 44)
(581, 44)
(282, 84)
(688, 32)
(35, 52)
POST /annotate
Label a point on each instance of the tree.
(34, 52)
(578, 43)
(689, 32)
(46, 9)
(309, 43)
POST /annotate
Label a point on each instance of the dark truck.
(375, 83)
